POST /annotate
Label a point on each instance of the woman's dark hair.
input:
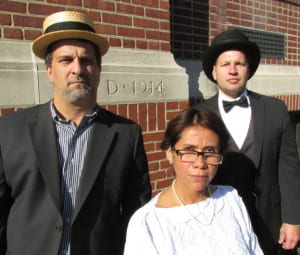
(190, 117)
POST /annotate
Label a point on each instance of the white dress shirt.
(237, 120)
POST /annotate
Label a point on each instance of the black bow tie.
(243, 102)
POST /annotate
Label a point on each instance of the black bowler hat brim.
(230, 40)
(68, 25)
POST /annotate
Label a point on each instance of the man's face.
(231, 71)
(74, 71)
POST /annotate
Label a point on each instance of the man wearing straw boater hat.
(71, 173)
(262, 161)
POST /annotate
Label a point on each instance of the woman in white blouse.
(192, 216)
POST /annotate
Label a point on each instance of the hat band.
(69, 25)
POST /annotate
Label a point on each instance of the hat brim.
(40, 45)
(250, 49)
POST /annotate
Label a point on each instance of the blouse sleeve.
(138, 237)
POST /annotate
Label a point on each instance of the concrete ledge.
(129, 76)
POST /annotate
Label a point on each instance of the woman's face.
(194, 176)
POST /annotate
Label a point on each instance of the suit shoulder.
(21, 115)
(270, 101)
(209, 103)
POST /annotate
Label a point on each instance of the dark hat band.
(69, 25)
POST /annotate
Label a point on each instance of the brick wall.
(153, 118)
(267, 15)
(137, 24)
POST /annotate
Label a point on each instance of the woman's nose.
(200, 162)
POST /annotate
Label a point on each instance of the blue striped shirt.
(72, 144)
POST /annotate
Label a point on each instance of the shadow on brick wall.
(189, 38)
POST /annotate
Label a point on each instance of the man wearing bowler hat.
(71, 173)
(262, 161)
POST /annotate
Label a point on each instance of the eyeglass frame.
(199, 153)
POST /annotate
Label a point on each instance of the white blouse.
(186, 230)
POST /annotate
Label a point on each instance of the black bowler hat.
(68, 25)
(230, 40)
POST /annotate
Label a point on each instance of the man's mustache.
(80, 79)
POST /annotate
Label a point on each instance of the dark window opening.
(189, 28)
(271, 45)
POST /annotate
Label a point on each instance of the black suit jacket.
(270, 182)
(114, 183)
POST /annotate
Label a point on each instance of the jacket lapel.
(99, 143)
(258, 115)
(43, 137)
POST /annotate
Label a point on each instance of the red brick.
(112, 108)
(5, 19)
(31, 34)
(157, 145)
(141, 44)
(183, 105)
(152, 116)
(129, 9)
(145, 23)
(42, 9)
(153, 45)
(155, 136)
(105, 29)
(149, 147)
(165, 46)
(133, 112)
(27, 21)
(150, 3)
(153, 166)
(158, 35)
(13, 33)
(161, 118)
(157, 175)
(155, 156)
(172, 105)
(164, 25)
(164, 5)
(170, 115)
(66, 2)
(12, 6)
(99, 5)
(95, 16)
(7, 110)
(128, 43)
(117, 19)
(143, 115)
(165, 15)
(164, 164)
(122, 110)
(115, 42)
(130, 32)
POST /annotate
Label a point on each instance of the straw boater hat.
(230, 40)
(67, 25)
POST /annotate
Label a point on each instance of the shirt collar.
(223, 96)
(87, 118)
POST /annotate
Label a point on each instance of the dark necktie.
(243, 102)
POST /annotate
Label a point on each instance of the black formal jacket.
(269, 182)
(113, 184)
